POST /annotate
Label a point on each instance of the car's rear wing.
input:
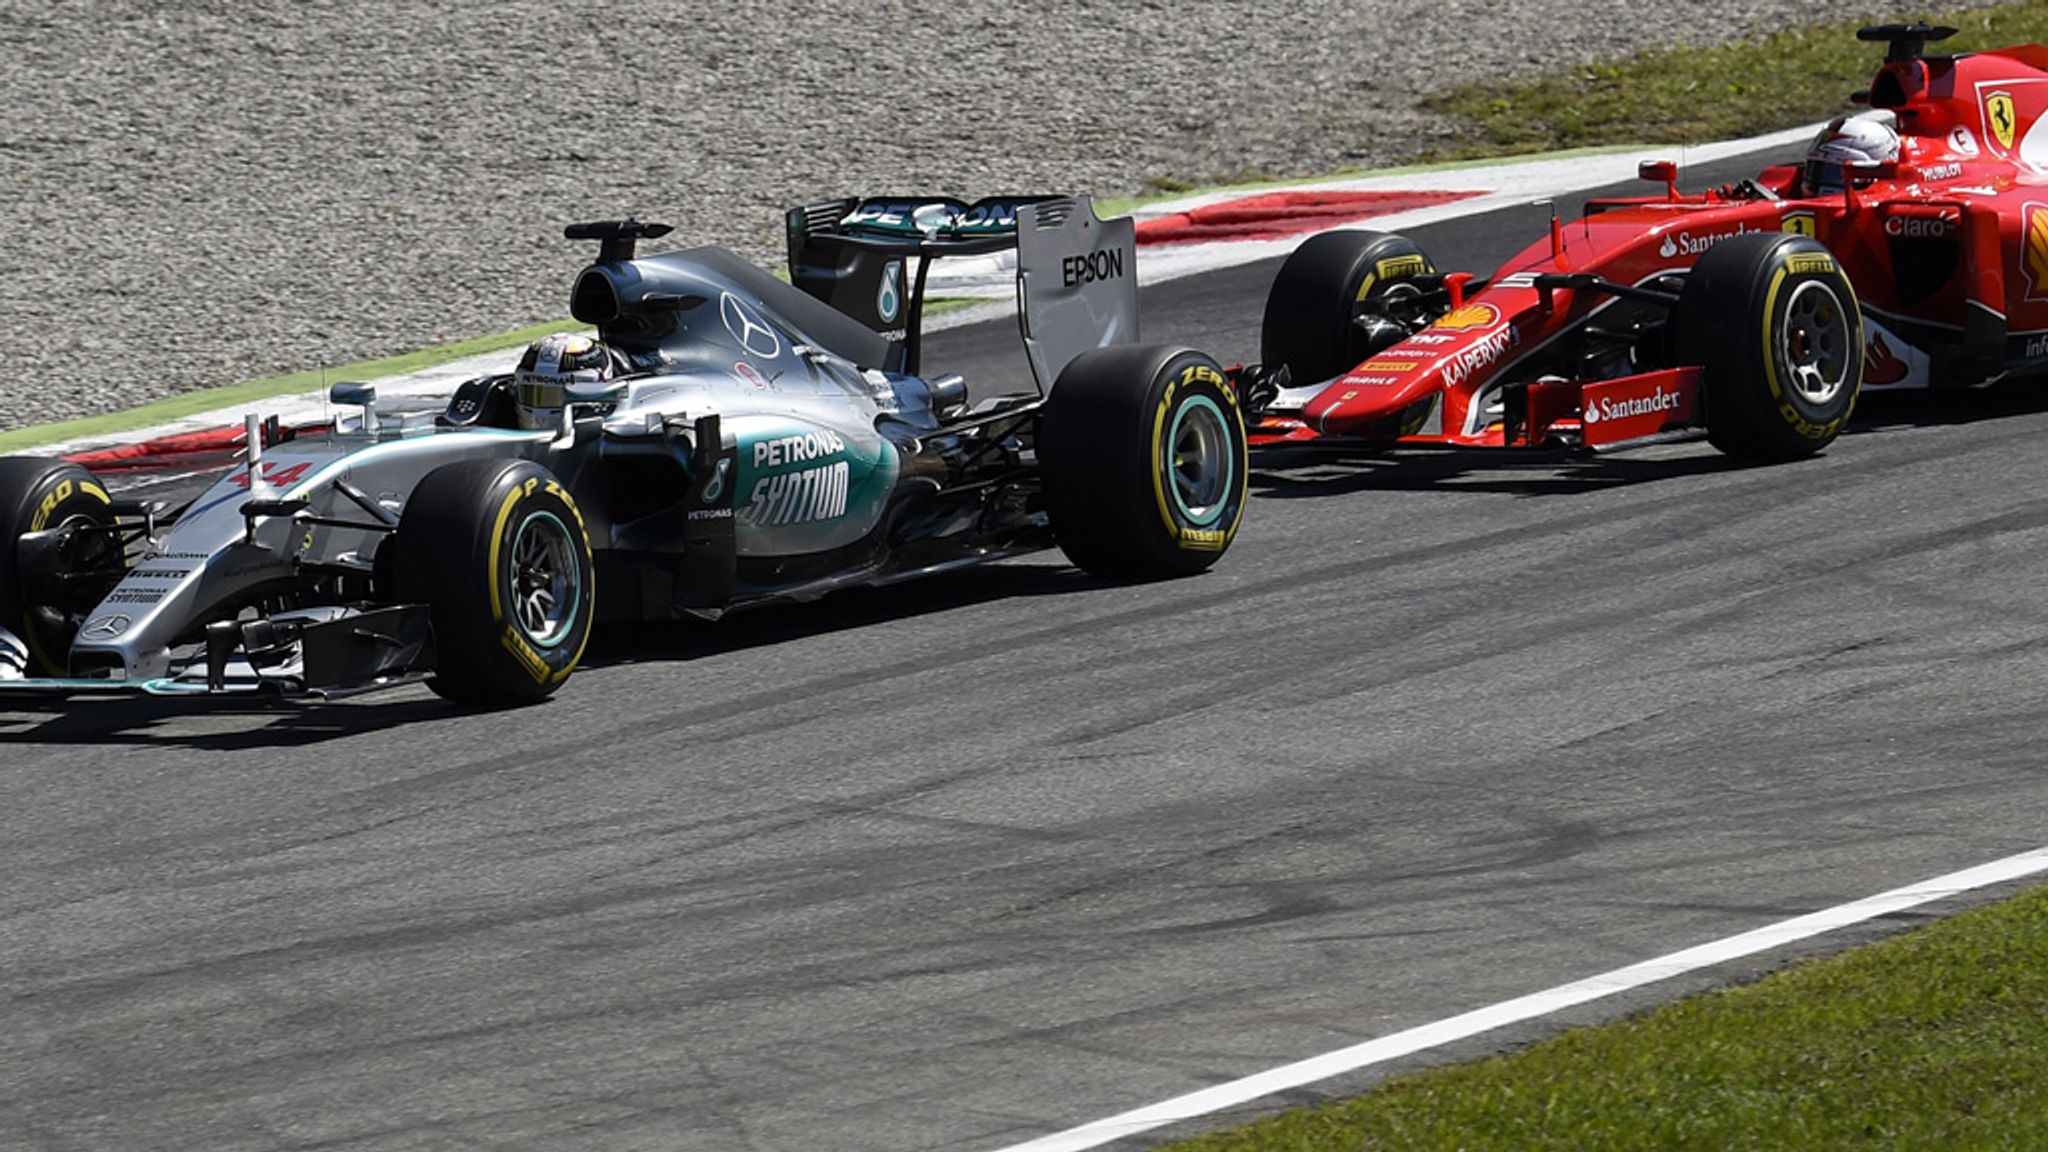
(1076, 274)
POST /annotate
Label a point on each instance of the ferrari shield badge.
(2000, 119)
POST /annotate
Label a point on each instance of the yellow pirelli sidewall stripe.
(1410, 265)
(1388, 269)
(513, 642)
(536, 665)
(498, 540)
(1156, 455)
(1770, 353)
(524, 653)
(1804, 264)
(65, 490)
(45, 508)
(1193, 539)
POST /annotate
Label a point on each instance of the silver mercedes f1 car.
(726, 439)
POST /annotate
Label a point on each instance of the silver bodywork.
(819, 457)
(1077, 283)
(214, 555)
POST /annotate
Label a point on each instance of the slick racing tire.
(1311, 310)
(1773, 321)
(38, 494)
(499, 552)
(1142, 449)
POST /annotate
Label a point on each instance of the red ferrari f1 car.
(1909, 250)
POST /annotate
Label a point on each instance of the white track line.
(1211, 1100)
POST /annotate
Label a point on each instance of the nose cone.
(1459, 350)
(1371, 394)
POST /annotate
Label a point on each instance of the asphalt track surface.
(958, 864)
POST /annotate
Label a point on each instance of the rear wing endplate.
(1077, 283)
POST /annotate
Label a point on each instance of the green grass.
(941, 305)
(192, 403)
(1936, 1039)
(1695, 95)
(256, 391)
(1674, 96)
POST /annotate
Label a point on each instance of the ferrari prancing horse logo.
(2000, 119)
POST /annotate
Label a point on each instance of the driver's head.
(1865, 138)
(551, 365)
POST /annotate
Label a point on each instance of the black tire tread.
(1718, 313)
(1307, 324)
(440, 557)
(23, 482)
(1094, 452)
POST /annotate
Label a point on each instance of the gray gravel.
(210, 191)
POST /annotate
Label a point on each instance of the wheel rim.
(1815, 342)
(547, 580)
(1399, 298)
(50, 630)
(1201, 467)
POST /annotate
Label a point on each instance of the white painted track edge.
(1209, 1101)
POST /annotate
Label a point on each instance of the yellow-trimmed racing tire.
(1143, 453)
(500, 553)
(42, 494)
(1313, 307)
(1773, 320)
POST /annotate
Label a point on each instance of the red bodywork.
(1947, 250)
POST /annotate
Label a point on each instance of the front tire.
(40, 494)
(498, 550)
(1773, 321)
(1143, 453)
(1310, 324)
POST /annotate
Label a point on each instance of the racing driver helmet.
(552, 366)
(1865, 138)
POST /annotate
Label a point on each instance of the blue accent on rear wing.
(920, 224)
(867, 257)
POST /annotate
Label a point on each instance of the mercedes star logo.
(747, 327)
(105, 628)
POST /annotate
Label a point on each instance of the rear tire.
(1143, 454)
(1321, 290)
(38, 494)
(1774, 322)
(499, 552)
